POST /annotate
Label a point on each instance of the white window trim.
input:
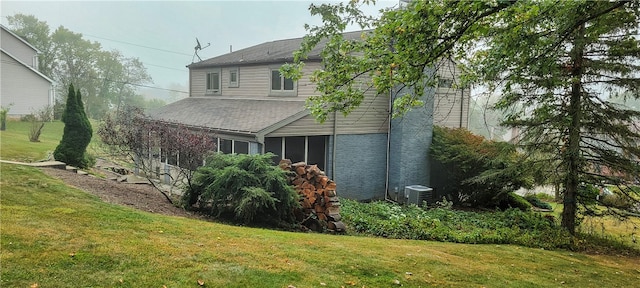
(282, 92)
(212, 91)
(234, 84)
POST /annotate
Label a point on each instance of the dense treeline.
(103, 77)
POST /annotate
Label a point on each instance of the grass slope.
(58, 236)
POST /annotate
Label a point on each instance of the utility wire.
(114, 81)
(154, 87)
(165, 67)
(138, 45)
(140, 85)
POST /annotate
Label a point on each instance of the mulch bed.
(139, 196)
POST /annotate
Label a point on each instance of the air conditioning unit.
(416, 194)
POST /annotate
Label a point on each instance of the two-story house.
(242, 99)
(22, 87)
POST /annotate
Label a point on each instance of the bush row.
(511, 226)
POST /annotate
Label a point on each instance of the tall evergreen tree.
(553, 62)
(77, 132)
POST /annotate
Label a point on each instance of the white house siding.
(18, 48)
(22, 88)
(253, 82)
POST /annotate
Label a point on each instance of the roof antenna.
(198, 48)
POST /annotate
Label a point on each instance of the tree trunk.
(572, 153)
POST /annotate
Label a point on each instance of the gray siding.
(451, 104)
(409, 154)
(360, 165)
(17, 48)
(22, 88)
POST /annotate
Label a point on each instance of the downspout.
(333, 153)
(461, 105)
(260, 140)
(386, 178)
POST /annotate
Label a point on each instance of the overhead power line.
(154, 87)
(138, 45)
(165, 67)
(142, 85)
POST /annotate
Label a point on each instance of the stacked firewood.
(320, 205)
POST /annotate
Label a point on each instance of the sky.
(162, 34)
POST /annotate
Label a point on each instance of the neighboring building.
(22, 87)
(242, 99)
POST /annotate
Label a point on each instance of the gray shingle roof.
(245, 116)
(279, 51)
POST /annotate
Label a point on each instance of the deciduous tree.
(38, 121)
(129, 133)
(552, 62)
(108, 79)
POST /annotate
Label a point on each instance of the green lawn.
(607, 227)
(53, 235)
(58, 236)
(15, 144)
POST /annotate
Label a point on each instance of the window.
(233, 77)
(445, 83)
(233, 146)
(316, 150)
(240, 147)
(213, 83)
(274, 145)
(295, 148)
(226, 146)
(310, 149)
(281, 86)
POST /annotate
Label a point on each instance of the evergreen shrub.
(537, 202)
(77, 133)
(245, 188)
(476, 172)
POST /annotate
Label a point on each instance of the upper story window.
(445, 83)
(234, 78)
(282, 86)
(213, 83)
